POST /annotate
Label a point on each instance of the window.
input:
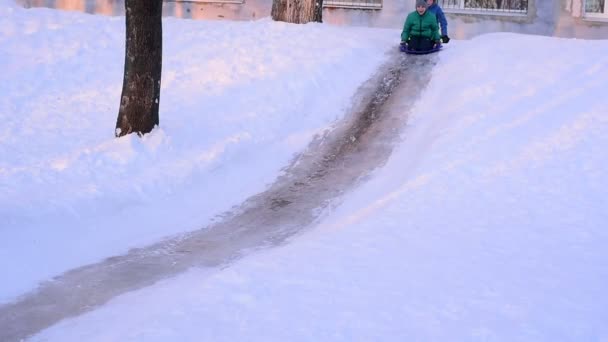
(361, 4)
(196, 2)
(486, 6)
(596, 9)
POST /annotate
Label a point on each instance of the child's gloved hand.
(445, 39)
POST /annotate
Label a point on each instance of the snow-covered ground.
(238, 100)
(489, 222)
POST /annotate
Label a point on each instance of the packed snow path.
(316, 179)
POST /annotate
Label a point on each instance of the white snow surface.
(489, 221)
(238, 100)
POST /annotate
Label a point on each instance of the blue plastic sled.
(404, 48)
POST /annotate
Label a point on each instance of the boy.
(434, 8)
(420, 31)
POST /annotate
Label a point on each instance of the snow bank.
(488, 223)
(238, 100)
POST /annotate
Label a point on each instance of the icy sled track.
(330, 166)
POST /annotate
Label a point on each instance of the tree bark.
(297, 11)
(140, 96)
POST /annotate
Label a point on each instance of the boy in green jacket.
(420, 31)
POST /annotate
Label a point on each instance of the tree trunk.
(297, 11)
(143, 63)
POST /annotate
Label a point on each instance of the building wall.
(561, 18)
(250, 10)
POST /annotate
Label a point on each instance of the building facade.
(467, 18)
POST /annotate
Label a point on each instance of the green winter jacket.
(421, 25)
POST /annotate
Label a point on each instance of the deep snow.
(487, 223)
(236, 105)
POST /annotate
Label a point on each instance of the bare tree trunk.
(297, 11)
(143, 63)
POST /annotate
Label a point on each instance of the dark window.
(515, 6)
(361, 4)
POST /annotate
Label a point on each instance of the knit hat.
(421, 3)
